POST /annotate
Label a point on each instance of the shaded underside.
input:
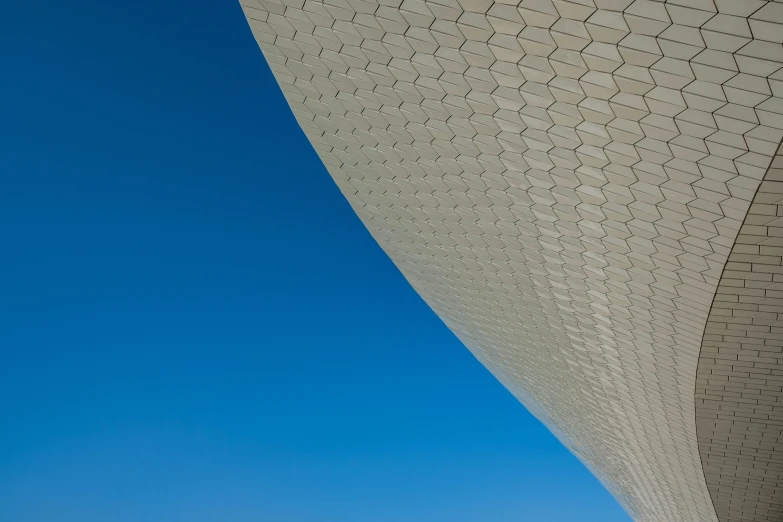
(739, 384)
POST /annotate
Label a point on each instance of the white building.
(587, 193)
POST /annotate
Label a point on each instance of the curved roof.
(562, 181)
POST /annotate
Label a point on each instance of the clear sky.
(195, 327)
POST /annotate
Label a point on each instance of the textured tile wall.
(562, 181)
(739, 385)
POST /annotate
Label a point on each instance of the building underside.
(588, 193)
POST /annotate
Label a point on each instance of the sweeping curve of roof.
(563, 182)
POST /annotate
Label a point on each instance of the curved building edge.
(739, 382)
(562, 181)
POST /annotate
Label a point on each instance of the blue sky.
(196, 327)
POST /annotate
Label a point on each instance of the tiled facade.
(562, 181)
(739, 382)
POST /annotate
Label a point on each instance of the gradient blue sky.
(194, 326)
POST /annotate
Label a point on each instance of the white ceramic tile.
(564, 181)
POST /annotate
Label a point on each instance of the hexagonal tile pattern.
(562, 181)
